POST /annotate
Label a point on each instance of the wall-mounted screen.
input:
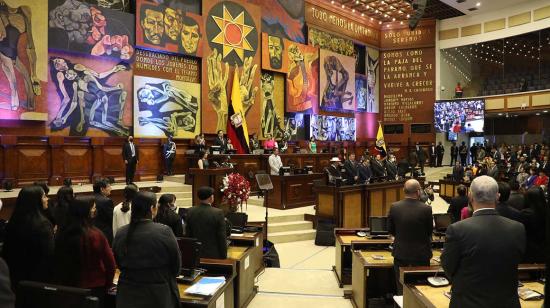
(329, 128)
(459, 116)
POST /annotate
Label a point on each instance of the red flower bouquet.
(236, 189)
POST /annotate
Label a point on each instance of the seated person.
(275, 162)
(542, 179)
(270, 143)
(365, 173)
(229, 145)
(458, 172)
(203, 160)
(531, 179)
(207, 224)
(221, 141)
(333, 170)
(254, 142)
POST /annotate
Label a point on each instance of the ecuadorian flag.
(380, 143)
(237, 130)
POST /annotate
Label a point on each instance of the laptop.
(190, 250)
(442, 221)
(379, 227)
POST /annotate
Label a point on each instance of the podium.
(208, 177)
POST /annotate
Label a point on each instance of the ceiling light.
(332, 2)
(343, 6)
(353, 10)
(362, 14)
(408, 16)
(393, 19)
(371, 19)
(500, 114)
(379, 22)
(401, 23)
(478, 4)
(545, 111)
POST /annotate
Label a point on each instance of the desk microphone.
(438, 281)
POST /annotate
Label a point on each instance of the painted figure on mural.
(372, 67)
(190, 35)
(276, 47)
(335, 95)
(301, 85)
(119, 5)
(360, 92)
(16, 21)
(152, 23)
(172, 23)
(82, 87)
(168, 108)
(270, 119)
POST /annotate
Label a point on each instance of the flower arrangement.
(236, 189)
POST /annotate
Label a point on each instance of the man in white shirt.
(275, 162)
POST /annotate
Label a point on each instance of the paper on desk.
(206, 286)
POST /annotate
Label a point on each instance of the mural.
(295, 128)
(329, 41)
(77, 26)
(88, 97)
(274, 57)
(189, 6)
(302, 80)
(329, 128)
(23, 50)
(361, 92)
(168, 27)
(166, 108)
(232, 48)
(373, 78)
(272, 105)
(119, 5)
(283, 18)
(337, 82)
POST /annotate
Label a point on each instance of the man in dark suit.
(169, 152)
(350, 165)
(104, 208)
(130, 155)
(421, 157)
(458, 172)
(503, 208)
(365, 172)
(463, 153)
(458, 203)
(207, 224)
(482, 253)
(377, 167)
(221, 141)
(516, 200)
(391, 169)
(492, 170)
(334, 170)
(439, 152)
(403, 167)
(454, 154)
(545, 165)
(473, 152)
(521, 165)
(433, 155)
(410, 222)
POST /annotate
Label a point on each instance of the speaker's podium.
(208, 177)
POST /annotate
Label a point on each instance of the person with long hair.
(122, 211)
(534, 216)
(83, 257)
(28, 246)
(104, 218)
(65, 195)
(166, 214)
(202, 163)
(148, 257)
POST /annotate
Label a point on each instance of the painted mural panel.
(77, 26)
(302, 80)
(283, 18)
(23, 57)
(274, 57)
(329, 128)
(329, 41)
(337, 82)
(273, 104)
(373, 79)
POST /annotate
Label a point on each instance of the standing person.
(458, 173)
(130, 155)
(458, 90)
(29, 245)
(275, 162)
(350, 165)
(221, 141)
(482, 253)
(104, 218)
(167, 216)
(439, 151)
(516, 200)
(377, 167)
(458, 203)
(534, 221)
(65, 196)
(433, 155)
(83, 257)
(463, 153)
(421, 157)
(270, 143)
(365, 172)
(122, 211)
(7, 298)
(207, 224)
(148, 257)
(169, 152)
(473, 153)
(454, 154)
(410, 221)
(391, 168)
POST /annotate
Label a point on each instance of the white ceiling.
(486, 5)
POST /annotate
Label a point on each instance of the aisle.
(304, 279)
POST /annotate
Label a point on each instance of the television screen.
(452, 136)
(330, 128)
(459, 116)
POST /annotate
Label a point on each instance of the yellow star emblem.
(233, 34)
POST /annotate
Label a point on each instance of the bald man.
(482, 253)
(410, 222)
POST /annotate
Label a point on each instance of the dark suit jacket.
(104, 219)
(439, 150)
(493, 172)
(458, 173)
(411, 222)
(127, 152)
(505, 210)
(365, 173)
(420, 155)
(391, 170)
(456, 206)
(403, 167)
(454, 150)
(7, 298)
(481, 257)
(351, 171)
(207, 224)
(516, 200)
(377, 168)
(221, 142)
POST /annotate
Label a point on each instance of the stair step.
(291, 236)
(178, 194)
(286, 218)
(177, 188)
(180, 178)
(289, 226)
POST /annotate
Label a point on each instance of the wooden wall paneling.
(325, 205)
(113, 165)
(352, 210)
(391, 197)
(10, 157)
(78, 163)
(97, 158)
(58, 160)
(376, 201)
(150, 154)
(34, 161)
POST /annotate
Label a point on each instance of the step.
(176, 188)
(178, 178)
(289, 226)
(256, 201)
(178, 194)
(286, 218)
(291, 236)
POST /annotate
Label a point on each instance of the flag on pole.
(237, 131)
(380, 143)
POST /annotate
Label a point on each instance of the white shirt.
(120, 219)
(482, 209)
(132, 149)
(275, 164)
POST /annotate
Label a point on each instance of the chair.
(31, 294)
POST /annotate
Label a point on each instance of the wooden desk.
(372, 278)
(254, 240)
(448, 189)
(208, 177)
(244, 281)
(418, 294)
(292, 191)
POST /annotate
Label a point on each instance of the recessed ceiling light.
(478, 4)
(500, 114)
(538, 113)
(545, 111)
